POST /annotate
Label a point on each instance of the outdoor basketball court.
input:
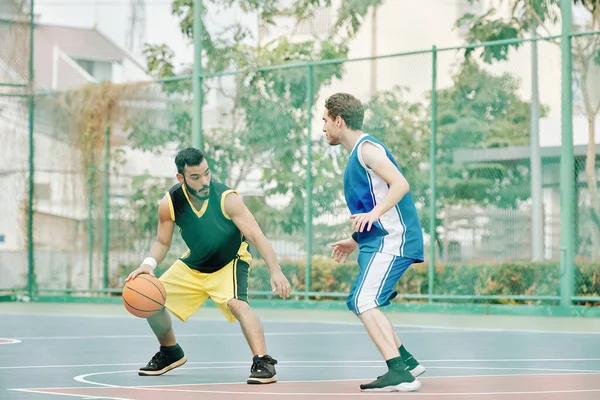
(61, 355)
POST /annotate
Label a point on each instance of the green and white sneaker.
(414, 367)
(393, 381)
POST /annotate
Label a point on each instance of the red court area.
(526, 387)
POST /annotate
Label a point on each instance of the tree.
(540, 15)
(482, 111)
(263, 128)
(479, 110)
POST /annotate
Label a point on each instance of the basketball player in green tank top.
(216, 226)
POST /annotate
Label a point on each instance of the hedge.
(505, 279)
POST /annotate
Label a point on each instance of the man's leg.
(170, 354)
(163, 329)
(251, 326)
(263, 365)
(381, 331)
(184, 296)
(228, 288)
(413, 365)
(372, 289)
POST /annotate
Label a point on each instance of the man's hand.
(142, 269)
(364, 220)
(342, 249)
(280, 285)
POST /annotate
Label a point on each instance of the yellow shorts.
(187, 289)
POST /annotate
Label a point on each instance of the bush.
(507, 279)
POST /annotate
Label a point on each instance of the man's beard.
(196, 193)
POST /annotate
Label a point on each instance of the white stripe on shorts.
(366, 298)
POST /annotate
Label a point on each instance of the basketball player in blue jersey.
(386, 231)
(216, 226)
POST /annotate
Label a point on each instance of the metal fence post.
(308, 205)
(106, 204)
(432, 175)
(30, 84)
(91, 217)
(197, 79)
(567, 185)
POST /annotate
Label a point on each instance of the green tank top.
(211, 236)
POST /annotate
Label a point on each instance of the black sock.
(172, 350)
(396, 364)
(404, 353)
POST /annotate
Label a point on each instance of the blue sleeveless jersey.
(398, 231)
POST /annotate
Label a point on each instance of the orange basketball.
(144, 296)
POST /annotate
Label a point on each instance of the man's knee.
(238, 306)
(358, 307)
(161, 322)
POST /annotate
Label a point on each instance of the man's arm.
(376, 159)
(162, 244)
(164, 234)
(244, 220)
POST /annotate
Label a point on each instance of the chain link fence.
(460, 127)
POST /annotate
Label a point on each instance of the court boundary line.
(9, 341)
(229, 334)
(312, 322)
(283, 362)
(41, 391)
(170, 388)
(297, 381)
(566, 371)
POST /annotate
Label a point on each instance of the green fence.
(491, 202)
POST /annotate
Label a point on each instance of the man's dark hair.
(348, 107)
(189, 157)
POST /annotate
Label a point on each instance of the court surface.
(93, 352)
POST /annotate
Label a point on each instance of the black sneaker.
(263, 370)
(163, 361)
(393, 381)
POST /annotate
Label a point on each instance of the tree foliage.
(527, 16)
(261, 132)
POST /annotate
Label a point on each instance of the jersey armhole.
(171, 208)
(359, 153)
(225, 193)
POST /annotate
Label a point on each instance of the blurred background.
(490, 108)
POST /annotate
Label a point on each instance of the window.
(100, 70)
(320, 22)
(42, 191)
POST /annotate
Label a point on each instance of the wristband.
(151, 262)
(355, 236)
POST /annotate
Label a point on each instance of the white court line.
(381, 393)
(311, 333)
(10, 341)
(311, 381)
(314, 322)
(83, 396)
(311, 362)
(83, 378)
(169, 388)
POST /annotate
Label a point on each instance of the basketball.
(144, 296)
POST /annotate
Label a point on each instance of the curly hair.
(348, 107)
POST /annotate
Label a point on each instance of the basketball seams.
(142, 294)
(156, 286)
(138, 309)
